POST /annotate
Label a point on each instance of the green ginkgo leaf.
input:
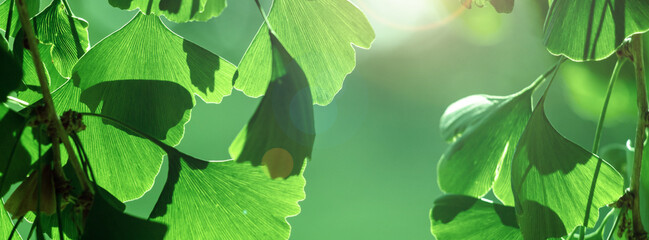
(15, 160)
(175, 10)
(483, 131)
(280, 134)
(68, 43)
(551, 180)
(6, 225)
(32, 8)
(585, 30)
(225, 200)
(501, 6)
(464, 217)
(318, 35)
(11, 73)
(104, 221)
(145, 49)
(124, 163)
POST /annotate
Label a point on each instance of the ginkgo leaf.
(225, 200)
(15, 160)
(501, 6)
(318, 35)
(32, 9)
(175, 10)
(464, 217)
(6, 225)
(585, 30)
(11, 73)
(281, 132)
(104, 221)
(483, 131)
(551, 181)
(68, 43)
(125, 164)
(145, 49)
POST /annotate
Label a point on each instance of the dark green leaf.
(15, 160)
(11, 73)
(317, 34)
(280, 134)
(104, 221)
(551, 180)
(464, 217)
(585, 30)
(176, 10)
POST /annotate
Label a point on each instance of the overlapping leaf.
(225, 200)
(16, 139)
(175, 10)
(317, 34)
(104, 221)
(6, 225)
(280, 134)
(483, 131)
(464, 217)
(551, 180)
(585, 30)
(143, 75)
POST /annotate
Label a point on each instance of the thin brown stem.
(47, 97)
(635, 49)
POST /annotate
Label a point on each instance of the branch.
(635, 49)
(47, 97)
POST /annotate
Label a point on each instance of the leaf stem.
(535, 85)
(598, 135)
(47, 97)
(9, 17)
(641, 87)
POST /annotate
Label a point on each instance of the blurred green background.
(373, 172)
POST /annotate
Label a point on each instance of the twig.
(635, 48)
(49, 104)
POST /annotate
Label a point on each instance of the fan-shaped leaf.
(280, 134)
(317, 34)
(551, 180)
(225, 200)
(585, 30)
(175, 10)
(483, 131)
(464, 217)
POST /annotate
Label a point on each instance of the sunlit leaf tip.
(318, 35)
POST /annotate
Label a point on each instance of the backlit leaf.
(32, 8)
(483, 131)
(464, 217)
(225, 200)
(281, 132)
(585, 30)
(551, 180)
(175, 10)
(318, 35)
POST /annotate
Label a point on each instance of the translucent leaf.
(280, 134)
(126, 164)
(551, 180)
(585, 30)
(145, 49)
(225, 200)
(317, 34)
(176, 10)
(146, 76)
(6, 225)
(104, 221)
(54, 27)
(464, 217)
(15, 159)
(483, 131)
